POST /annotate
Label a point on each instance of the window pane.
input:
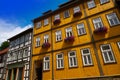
(105, 47)
(111, 56)
(85, 60)
(89, 59)
(106, 56)
(91, 4)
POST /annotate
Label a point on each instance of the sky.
(17, 15)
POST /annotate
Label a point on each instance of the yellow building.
(79, 40)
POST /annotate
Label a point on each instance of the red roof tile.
(4, 51)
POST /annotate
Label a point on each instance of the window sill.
(108, 63)
(91, 8)
(114, 25)
(58, 41)
(89, 65)
(66, 17)
(73, 67)
(59, 68)
(104, 3)
(46, 25)
(38, 28)
(37, 46)
(82, 34)
(46, 70)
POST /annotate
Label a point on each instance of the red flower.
(100, 30)
(57, 21)
(76, 14)
(69, 39)
(46, 45)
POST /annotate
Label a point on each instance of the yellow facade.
(99, 69)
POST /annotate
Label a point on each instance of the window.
(76, 9)
(38, 24)
(25, 52)
(21, 39)
(66, 14)
(57, 16)
(86, 56)
(27, 37)
(45, 22)
(118, 44)
(37, 41)
(91, 4)
(97, 23)
(58, 36)
(46, 37)
(103, 1)
(72, 59)
(113, 19)
(60, 63)
(107, 53)
(69, 32)
(20, 54)
(46, 62)
(81, 29)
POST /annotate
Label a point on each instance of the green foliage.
(4, 45)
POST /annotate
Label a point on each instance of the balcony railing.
(57, 21)
(46, 45)
(76, 14)
(69, 39)
(101, 30)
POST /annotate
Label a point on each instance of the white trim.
(76, 9)
(46, 22)
(46, 38)
(91, 4)
(114, 18)
(59, 61)
(58, 35)
(97, 22)
(72, 59)
(107, 54)
(66, 14)
(46, 63)
(69, 32)
(103, 1)
(86, 56)
(118, 44)
(57, 16)
(81, 29)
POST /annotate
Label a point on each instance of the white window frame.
(81, 29)
(58, 35)
(37, 41)
(105, 53)
(91, 4)
(57, 16)
(66, 14)
(103, 1)
(59, 61)
(69, 32)
(86, 56)
(113, 17)
(46, 21)
(72, 59)
(118, 44)
(76, 9)
(38, 25)
(97, 22)
(46, 63)
(46, 38)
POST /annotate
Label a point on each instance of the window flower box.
(46, 45)
(76, 14)
(57, 21)
(69, 39)
(100, 30)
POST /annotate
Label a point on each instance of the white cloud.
(8, 30)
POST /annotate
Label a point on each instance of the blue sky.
(17, 15)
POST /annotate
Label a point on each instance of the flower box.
(69, 39)
(46, 45)
(76, 14)
(57, 21)
(100, 30)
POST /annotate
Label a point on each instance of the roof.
(4, 51)
(62, 6)
(22, 33)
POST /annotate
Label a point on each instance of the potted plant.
(46, 45)
(100, 30)
(56, 21)
(69, 39)
(76, 14)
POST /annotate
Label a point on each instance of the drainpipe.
(52, 49)
(93, 42)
